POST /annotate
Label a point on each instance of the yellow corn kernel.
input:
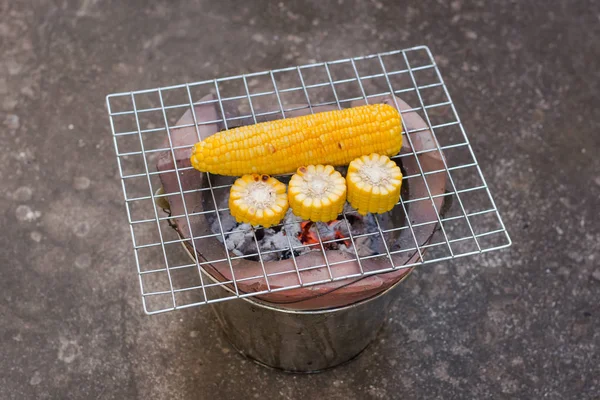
(317, 193)
(281, 146)
(374, 184)
(258, 200)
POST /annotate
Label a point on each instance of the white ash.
(274, 244)
(278, 239)
(238, 242)
(366, 245)
(241, 239)
(227, 221)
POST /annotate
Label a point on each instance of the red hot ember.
(308, 235)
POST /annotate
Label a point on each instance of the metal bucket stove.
(303, 306)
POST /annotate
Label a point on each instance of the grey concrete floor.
(519, 323)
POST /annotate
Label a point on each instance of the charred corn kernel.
(332, 137)
(374, 183)
(258, 200)
(317, 193)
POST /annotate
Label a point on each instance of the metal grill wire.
(477, 216)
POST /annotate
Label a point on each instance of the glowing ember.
(306, 235)
(340, 235)
(333, 236)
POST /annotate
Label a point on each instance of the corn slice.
(374, 183)
(317, 193)
(258, 200)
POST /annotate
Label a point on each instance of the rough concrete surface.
(518, 323)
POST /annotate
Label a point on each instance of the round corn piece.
(317, 193)
(374, 183)
(258, 200)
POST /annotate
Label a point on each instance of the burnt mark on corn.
(302, 170)
(340, 145)
(256, 178)
(265, 178)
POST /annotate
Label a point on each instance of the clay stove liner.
(321, 296)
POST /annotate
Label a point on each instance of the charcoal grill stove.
(288, 284)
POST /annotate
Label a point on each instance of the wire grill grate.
(142, 123)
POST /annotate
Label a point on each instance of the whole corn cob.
(281, 146)
(374, 183)
(317, 193)
(258, 200)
